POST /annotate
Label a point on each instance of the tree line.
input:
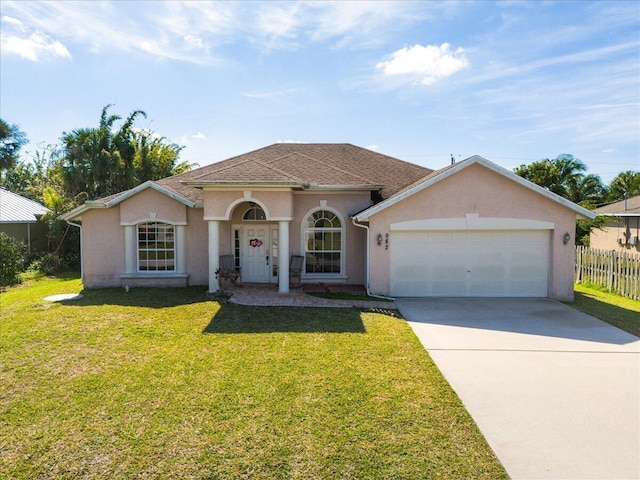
(87, 164)
(566, 176)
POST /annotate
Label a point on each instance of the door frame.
(240, 246)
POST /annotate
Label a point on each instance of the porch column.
(130, 249)
(214, 255)
(180, 249)
(283, 257)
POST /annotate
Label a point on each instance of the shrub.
(12, 259)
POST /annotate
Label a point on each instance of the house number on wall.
(386, 241)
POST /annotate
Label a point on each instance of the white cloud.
(372, 147)
(186, 139)
(279, 24)
(191, 31)
(32, 44)
(178, 31)
(290, 141)
(13, 21)
(610, 150)
(37, 46)
(424, 64)
(499, 71)
(147, 133)
(363, 23)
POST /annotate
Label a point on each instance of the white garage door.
(470, 263)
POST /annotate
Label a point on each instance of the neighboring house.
(356, 216)
(622, 233)
(19, 219)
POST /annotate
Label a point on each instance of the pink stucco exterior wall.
(196, 249)
(278, 204)
(478, 190)
(142, 206)
(102, 248)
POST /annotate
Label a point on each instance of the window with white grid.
(156, 247)
(323, 243)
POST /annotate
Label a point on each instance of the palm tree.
(99, 161)
(560, 175)
(11, 141)
(625, 185)
(570, 171)
(587, 190)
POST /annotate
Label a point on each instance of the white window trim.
(175, 251)
(254, 208)
(343, 243)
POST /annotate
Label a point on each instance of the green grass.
(169, 384)
(619, 311)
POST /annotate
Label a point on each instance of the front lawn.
(619, 311)
(169, 384)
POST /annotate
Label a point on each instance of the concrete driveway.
(555, 392)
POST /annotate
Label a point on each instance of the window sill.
(154, 275)
(323, 276)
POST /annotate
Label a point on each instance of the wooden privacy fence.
(618, 271)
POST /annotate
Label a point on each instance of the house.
(354, 215)
(19, 219)
(622, 232)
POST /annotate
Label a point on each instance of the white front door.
(255, 253)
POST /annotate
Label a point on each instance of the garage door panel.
(500, 263)
(413, 272)
(484, 289)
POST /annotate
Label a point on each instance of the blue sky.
(512, 81)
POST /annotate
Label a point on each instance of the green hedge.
(12, 259)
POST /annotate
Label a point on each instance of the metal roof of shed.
(17, 209)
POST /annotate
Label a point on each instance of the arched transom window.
(323, 236)
(156, 247)
(254, 213)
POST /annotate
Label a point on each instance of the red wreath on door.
(255, 242)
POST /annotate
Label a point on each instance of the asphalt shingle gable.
(250, 171)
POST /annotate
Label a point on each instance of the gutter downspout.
(353, 220)
(81, 255)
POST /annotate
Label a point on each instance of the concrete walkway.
(266, 295)
(555, 392)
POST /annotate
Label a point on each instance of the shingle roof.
(630, 207)
(432, 174)
(329, 164)
(17, 209)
